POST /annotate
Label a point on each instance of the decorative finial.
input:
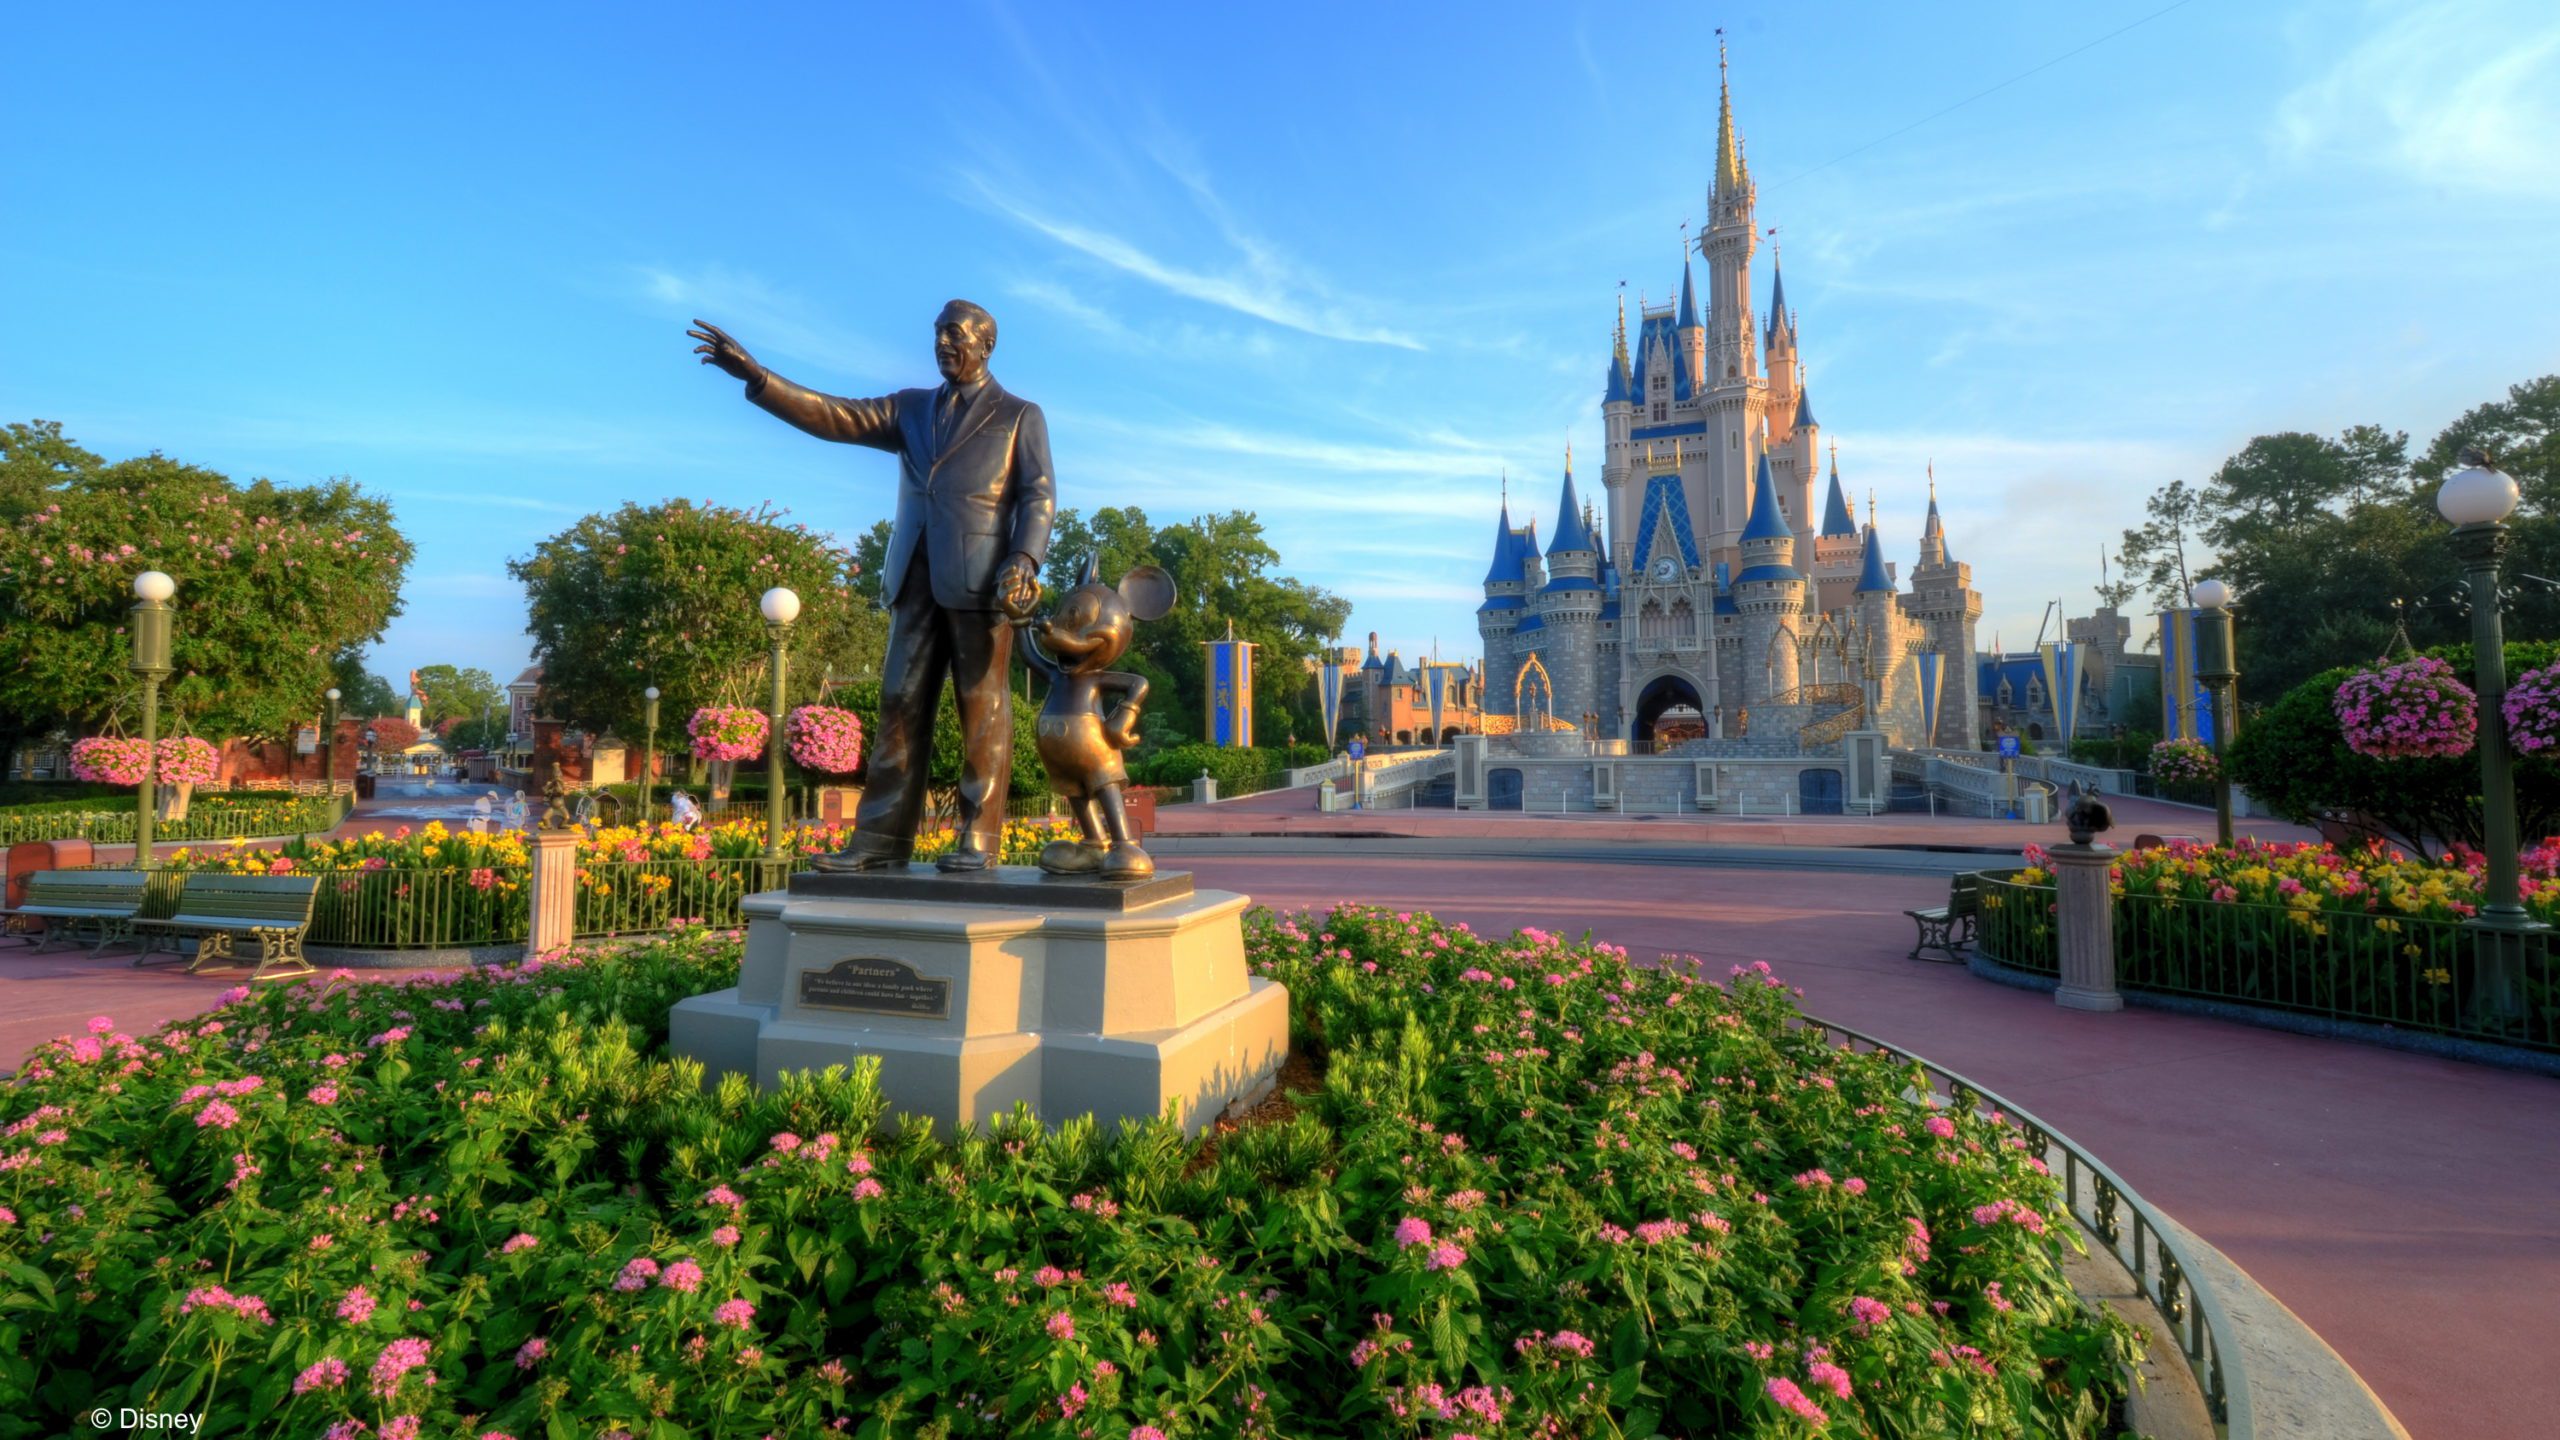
(1835, 456)
(1933, 482)
(1568, 456)
(1871, 507)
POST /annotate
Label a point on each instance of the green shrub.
(1227, 764)
(1615, 1198)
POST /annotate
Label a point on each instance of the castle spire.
(1570, 533)
(1777, 303)
(1728, 149)
(1838, 520)
(1688, 296)
(1871, 576)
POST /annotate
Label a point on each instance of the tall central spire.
(1728, 148)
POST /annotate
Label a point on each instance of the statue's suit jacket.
(984, 494)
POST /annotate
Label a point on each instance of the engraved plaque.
(877, 986)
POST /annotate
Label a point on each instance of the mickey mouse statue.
(1080, 743)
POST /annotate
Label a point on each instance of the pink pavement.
(1293, 812)
(2402, 1205)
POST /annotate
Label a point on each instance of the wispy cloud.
(760, 316)
(2459, 94)
(1266, 287)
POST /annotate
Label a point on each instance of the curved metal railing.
(2160, 1265)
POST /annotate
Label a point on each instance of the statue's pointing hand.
(718, 349)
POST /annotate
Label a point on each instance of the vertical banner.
(1329, 693)
(2186, 710)
(1933, 677)
(1228, 717)
(1435, 682)
(2062, 660)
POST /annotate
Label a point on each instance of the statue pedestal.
(976, 992)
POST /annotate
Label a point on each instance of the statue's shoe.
(1070, 857)
(964, 861)
(1127, 862)
(845, 862)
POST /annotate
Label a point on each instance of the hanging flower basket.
(2177, 762)
(110, 760)
(2413, 710)
(188, 760)
(826, 738)
(2533, 711)
(727, 732)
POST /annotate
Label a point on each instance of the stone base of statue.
(977, 992)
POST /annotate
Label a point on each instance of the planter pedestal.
(2085, 916)
(979, 992)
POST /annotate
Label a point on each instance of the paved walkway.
(2402, 1205)
(1293, 812)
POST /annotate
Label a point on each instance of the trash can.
(2036, 807)
(364, 787)
(1327, 798)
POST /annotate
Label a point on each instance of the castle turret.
(1736, 395)
(1569, 604)
(1506, 602)
(1948, 608)
(1617, 418)
(1769, 592)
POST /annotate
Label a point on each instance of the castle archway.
(1668, 711)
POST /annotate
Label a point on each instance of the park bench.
(217, 910)
(63, 899)
(1948, 928)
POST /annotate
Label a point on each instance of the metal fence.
(2373, 967)
(2161, 1265)
(629, 897)
(208, 818)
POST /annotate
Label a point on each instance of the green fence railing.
(629, 897)
(208, 818)
(2372, 967)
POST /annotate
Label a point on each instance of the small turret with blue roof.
(1871, 576)
(1768, 545)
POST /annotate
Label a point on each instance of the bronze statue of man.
(975, 500)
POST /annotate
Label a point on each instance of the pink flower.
(396, 1360)
(1868, 1314)
(736, 1314)
(530, 1353)
(725, 1236)
(327, 1374)
(218, 1115)
(1062, 1325)
(1941, 1126)
(1570, 1343)
(1412, 1231)
(1829, 1376)
(1145, 1432)
(357, 1306)
(516, 1242)
(867, 1188)
(636, 1275)
(1790, 1398)
(683, 1276)
(1447, 1257)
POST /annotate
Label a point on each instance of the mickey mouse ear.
(1148, 591)
(1089, 571)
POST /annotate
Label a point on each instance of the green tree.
(2156, 550)
(458, 693)
(666, 595)
(1223, 572)
(2522, 433)
(274, 583)
(361, 693)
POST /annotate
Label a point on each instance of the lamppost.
(151, 622)
(2218, 672)
(370, 737)
(780, 607)
(329, 742)
(2477, 499)
(648, 747)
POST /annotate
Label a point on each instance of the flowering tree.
(273, 582)
(665, 595)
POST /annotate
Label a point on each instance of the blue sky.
(1341, 265)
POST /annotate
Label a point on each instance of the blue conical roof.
(1804, 409)
(1570, 531)
(1688, 298)
(1777, 300)
(1837, 522)
(1872, 577)
(1768, 522)
(1620, 386)
(1506, 551)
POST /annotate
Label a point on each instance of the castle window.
(1658, 411)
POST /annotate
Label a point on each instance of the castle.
(1718, 609)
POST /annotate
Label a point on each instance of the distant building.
(1388, 699)
(2119, 688)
